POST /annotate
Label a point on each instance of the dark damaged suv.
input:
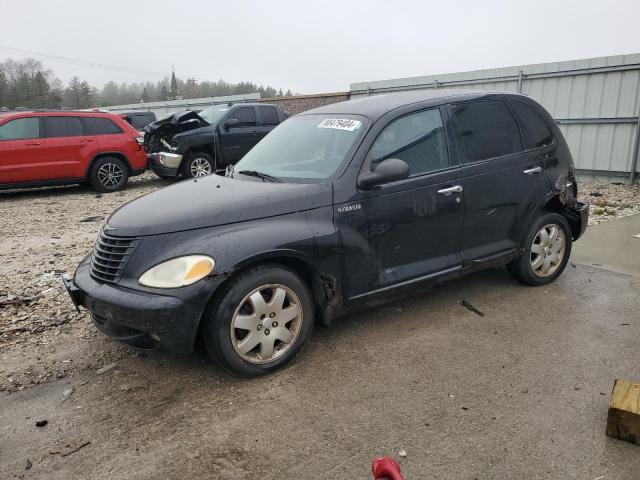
(190, 144)
(342, 206)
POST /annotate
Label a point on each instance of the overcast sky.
(312, 47)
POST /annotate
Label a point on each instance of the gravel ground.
(48, 231)
(609, 201)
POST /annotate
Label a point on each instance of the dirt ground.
(519, 393)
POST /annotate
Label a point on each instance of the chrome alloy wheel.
(266, 324)
(547, 250)
(110, 174)
(200, 167)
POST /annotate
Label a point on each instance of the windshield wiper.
(263, 176)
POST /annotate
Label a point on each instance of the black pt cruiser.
(342, 206)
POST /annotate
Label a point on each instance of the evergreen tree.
(4, 90)
(86, 95)
(41, 93)
(164, 94)
(73, 92)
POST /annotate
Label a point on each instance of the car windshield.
(214, 113)
(305, 147)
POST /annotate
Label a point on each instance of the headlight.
(179, 272)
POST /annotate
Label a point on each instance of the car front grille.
(110, 256)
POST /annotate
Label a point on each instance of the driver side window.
(418, 139)
(246, 116)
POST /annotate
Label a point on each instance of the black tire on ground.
(216, 326)
(197, 158)
(522, 268)
(108, 174)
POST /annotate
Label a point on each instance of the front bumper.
(165, 164)
(137, 318)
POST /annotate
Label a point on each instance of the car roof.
(54, 113)
(374, 106)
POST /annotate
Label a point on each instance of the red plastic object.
(386, 468)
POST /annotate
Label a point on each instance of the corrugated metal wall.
(596, 102)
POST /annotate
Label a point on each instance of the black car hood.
(212, 201)
(175, 120)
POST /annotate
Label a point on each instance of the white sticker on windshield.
(340, 124)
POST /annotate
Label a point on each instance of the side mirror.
(231, 122)
(388, 170)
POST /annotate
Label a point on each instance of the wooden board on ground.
(623, 421)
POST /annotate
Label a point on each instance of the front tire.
(198, 164)
(108, 174)
(259, 321)
(547, 248)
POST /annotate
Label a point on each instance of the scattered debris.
(106, 368)
(625, 324)
(66, 394)
(471, 308)
(94, 218)
(623, 419)
(402, 453)
(465, 408)
(573, 264)
(609, 201)
(70, 448)
(525, 391)
(451, 395)
(41, 423)
(28, 465)
(133, 385)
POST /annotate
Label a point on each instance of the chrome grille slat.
(110, 256)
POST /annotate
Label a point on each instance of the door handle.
(32, 143)
(531, 171)
(450, 190)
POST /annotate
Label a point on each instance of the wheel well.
(317, 286)
(111, 154)
(553, 205)
(191, 150)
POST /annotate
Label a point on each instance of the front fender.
(303, 240)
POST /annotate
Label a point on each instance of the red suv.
(57, 147)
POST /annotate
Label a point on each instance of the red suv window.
(20, 129)
(63, 127)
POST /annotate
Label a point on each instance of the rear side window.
(418, 139)
(485, 130)
(535, 131)
(245, 115)
(269, 116)
(100, 126)
(62, 127)
(20, 129)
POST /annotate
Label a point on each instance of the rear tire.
(259, 322)
(547, 247)
(108, 174)
(198, 164)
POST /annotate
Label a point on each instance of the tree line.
(28, 84)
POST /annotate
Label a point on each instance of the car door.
(499, 186)
(413, 225)
(269, 119)
(67, 148)
(21, 151)
(238, 133)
